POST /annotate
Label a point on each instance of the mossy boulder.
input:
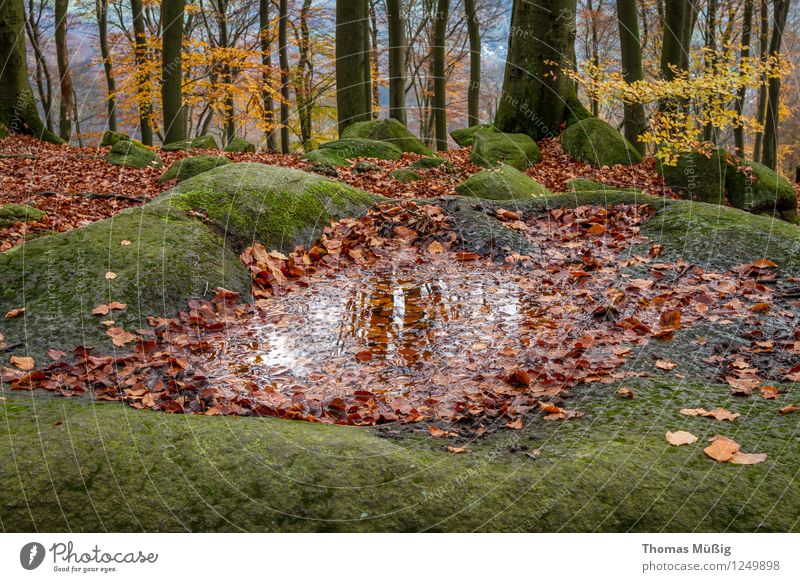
(501, 183)
(465, 136)
(201, 142)
(190, 167)
(10, 214)
(405, 175)
(365, 167)
(240, 145)
(133, 155)
(430, 163)
(586, 185)
(595, 142)
(388, 130)
(698, 176)
(762, 191)
(111, 137)
(339, 152)
(492, 148)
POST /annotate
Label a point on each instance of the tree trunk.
(221, 9)
(672, 45)
(474, 89)
(761, 109)
(143, 84)
(302, 86)
(537, 97)
(44, 82)
(17, 105)
(769, 155)
(709, 134)
(172, 70)
(397, 60)
(367, 81)
(631, 53)
(352, 63)
(265, 38)
(62, 57)
(439, 79)
(374, 79)
(283, 53)
(738, 131)
(102, 26)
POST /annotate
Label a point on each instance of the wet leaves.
(680, 437)
(24, 363)
(725, 450)
(717, 413)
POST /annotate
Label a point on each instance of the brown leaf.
(15, 313)
(626, 392)
(769, 392)
(125, 243)
(120, 337)
(740, 458)
(117, 305)
(437, 432)
(721, 449)
(24, 363)
(763, 264)
(665, 364)
(435, 248)
(597, 230)
(456, 450)
(787, 409)
(515, 424)
(111, 275)
(520, 378)
(680, 437)
(101, 309)
(671, 318)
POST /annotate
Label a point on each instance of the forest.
(399, 265)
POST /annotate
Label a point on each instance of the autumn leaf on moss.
(680, 437)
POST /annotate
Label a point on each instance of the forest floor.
(637, 352)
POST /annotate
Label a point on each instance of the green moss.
(111, 137)
(363, 167)
(189, 167)
(722, 237)
(501, 183)
(465, 136)
(59, 279)
(428, 163)
(490, 148)
(202, 142)
(13, 213)
(698, 176)
(405, 175)
(609, 471)
(595, 142)
(133, 155)
(763, 192)
(337, 153)
(279, 207)
(388, 130)
(586, 185)
(240, 145)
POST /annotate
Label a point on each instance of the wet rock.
(595, 142)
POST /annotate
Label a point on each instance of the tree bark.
(221, 9)
(747, 24)
(265, 41)
(439, 79)
(474, 89)
(373, 60)
(352, 63)
(142, 83)
(18, 111)
(537, 97)
(761, 108)
(172, 70)
(632, 71)
(102, 26)
(65, 112)
(302, 86)
(44, 82)
(283, 54)
(769, 155)
(397, 60)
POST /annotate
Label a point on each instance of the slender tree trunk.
(44, 83)
(102, 26)
(761, 108)
(672, 46)
(747, 24)
(352, 63)
(374, 79)
(142, 82)
(474, 90)
(283, 53)
(631, 53)
(221, 9)
(709, 134)
(439, 78)
(594, 104)
(62, 57)
(172, 70)
(18, 111)
(769, 155)
(397, 60)
(265, 38)
(367, 80)
(537, 98)
(303, 82)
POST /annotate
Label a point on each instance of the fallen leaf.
(787, 409)
(665, 364)
(597, 230)
(120, 337)
(671, 318)
(763, 264)
(111, 275)
(680, 437)
(117, 305)
(515, 424)
(24, 363)
(15, 313)
(769, 392)
(125, 243)
(456, 450)
(520, 378)
(626, 392)
(435, 248)
(101, 309)
(436, 432)
(721, 449)
(740, 458)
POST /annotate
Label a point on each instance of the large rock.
(464, 137)
(698, 176)
(239, 145)
(190, 167)
(201, 142)
(10, 214)
(429, 163)
(388, 130)
(595, 142)
(762, 191)
(111, 137)
(491, 148)
(182, 245)
(132, 155)
(502, 183)
(405, 175)
(337, 153)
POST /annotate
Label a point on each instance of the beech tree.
(631, 54)
(352, 63)
(769, 155)
(172, 70)
(397, 59)
(283, 55)
(536, 98)
(65, 110)
(474, 89)
(439, 79)
(101, 13)
(265, 43)
(140, 55)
